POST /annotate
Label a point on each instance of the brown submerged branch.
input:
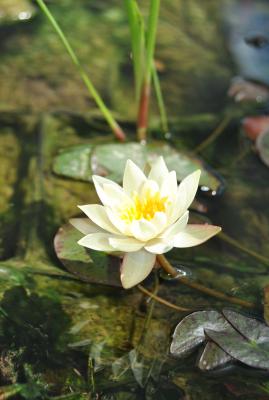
(238, 245)
(161, 300)
(201, 288)
(214, 135)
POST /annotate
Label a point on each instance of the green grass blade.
(151, 37)
(137, 31)
(160, 101)
(88, 83)
(142, 120)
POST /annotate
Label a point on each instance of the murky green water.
(64, 338)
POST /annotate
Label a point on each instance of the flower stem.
(161, 300)
(197, 286)
(117, 130)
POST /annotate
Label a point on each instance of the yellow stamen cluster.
(145, 207)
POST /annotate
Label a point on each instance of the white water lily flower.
(145, 217)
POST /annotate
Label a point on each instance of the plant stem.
(239, 246)
(214, 135)
(143, 113)
(161, 300)
(117, 130)
(159, 96)
(145, 91)
(197, 286)
(137, 31)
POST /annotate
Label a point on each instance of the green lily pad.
(250, 328)
(213, 357)
(190, 332)
(249, 352)
(80, 162)
(88, 265)
(15, 10)
(74, 163)
(262, 144)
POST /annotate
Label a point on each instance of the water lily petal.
(149, 186)
(158, 246)
(119, 223)
(136, 266)
(176, 228)
(97, 241)
(85, 226)
(142, 229)
(185, 195)
(193, 235)
(159, 221)
(169, 185)
(116, 197)
(133, 178)
(98, 215)
(99, 183)
(158, 171)
(145, 230)
(126, 244)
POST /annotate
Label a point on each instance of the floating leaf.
(80, 162)
(213, 357)
(15, 10)
(88, 265)
(249, 352)
(190, 332)
(75, 163)
(262, 144)
(250, 328)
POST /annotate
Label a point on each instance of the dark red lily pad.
(190, 332)
(213, 357)
(250, 328)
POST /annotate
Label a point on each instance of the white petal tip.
(136, 266)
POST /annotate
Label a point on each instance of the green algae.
(95, 339)
(32, 52)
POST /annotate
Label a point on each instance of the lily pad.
(213, 357)
(15, 10)
(75, 163)
(88, 265)
(250, 328)
(249, 352)
(80, 162)
(190, 332)
(262, 144)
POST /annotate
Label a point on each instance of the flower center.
(145, 207)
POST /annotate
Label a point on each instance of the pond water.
(63, 337)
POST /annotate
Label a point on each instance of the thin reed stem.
(142, 121)
(117, 130)
(214, 135)
(160, 101)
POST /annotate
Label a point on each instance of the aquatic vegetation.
(73, 332)
(229, 336)
(147, 216)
